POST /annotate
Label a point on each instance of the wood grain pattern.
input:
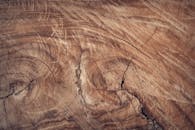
(97, 64)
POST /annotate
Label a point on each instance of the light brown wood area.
(97, 65)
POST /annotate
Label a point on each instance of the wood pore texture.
(97, 65)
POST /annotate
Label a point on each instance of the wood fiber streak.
(97, 65)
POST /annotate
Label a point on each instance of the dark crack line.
(6, 116)
(4, 107)
(13, 91)
(123, 77)
(144, 112)
(12, 88)
(149, 118)
(28, 87)
(5, 110)
(123, 81)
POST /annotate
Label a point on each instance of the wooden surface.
(97, 64)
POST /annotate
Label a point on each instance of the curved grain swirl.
(101, 64)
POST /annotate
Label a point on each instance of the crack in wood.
(123, 77)
(144, 112)
(13, 88)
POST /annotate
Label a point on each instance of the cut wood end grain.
(101, 64)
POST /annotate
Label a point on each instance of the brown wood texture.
(97, 64)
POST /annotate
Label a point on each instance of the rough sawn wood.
(97, 64)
